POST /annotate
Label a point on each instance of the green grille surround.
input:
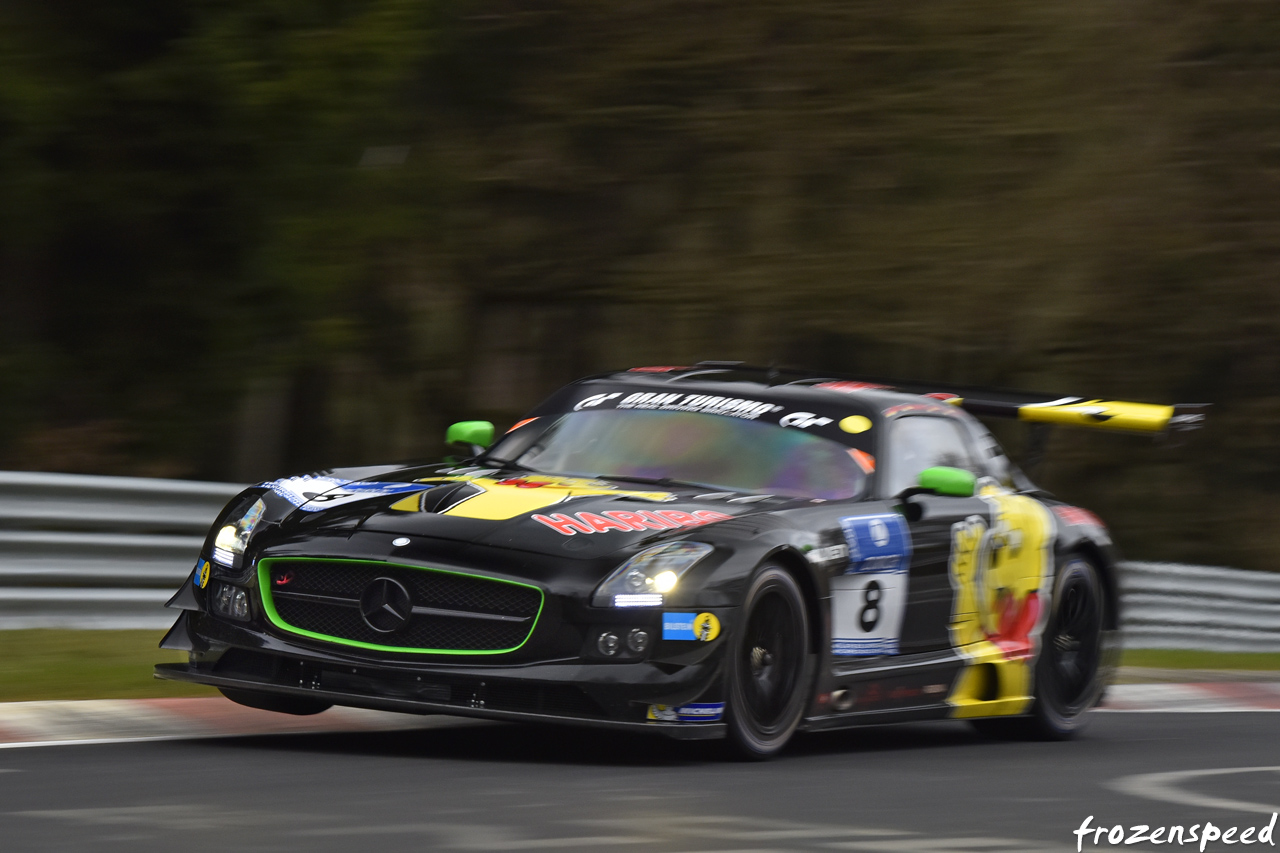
(269, 607)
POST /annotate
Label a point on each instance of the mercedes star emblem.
(385, 605)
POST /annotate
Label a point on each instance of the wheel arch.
(798, 567)
(1109, 571)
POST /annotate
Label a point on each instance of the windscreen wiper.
(661, 481)
(506, 464)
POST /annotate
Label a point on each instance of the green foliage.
(218, 258)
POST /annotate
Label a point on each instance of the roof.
(779, 383)
(783, 385)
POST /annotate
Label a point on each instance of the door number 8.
(869, 615)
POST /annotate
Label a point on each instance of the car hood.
(544, 514)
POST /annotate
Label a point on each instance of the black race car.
(698, 551)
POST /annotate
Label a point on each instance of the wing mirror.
(470, 436)
(954, 482)
(939, 480)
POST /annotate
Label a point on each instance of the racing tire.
(1073, 667)
(769, 666)
(299, 706)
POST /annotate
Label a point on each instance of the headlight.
(233, 538)
(643, 580)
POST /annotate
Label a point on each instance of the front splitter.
(678, 731)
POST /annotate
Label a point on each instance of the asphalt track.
(920, 788)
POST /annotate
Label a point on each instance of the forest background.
(240, 239)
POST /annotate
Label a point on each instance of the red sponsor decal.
(850, 387)
(873, 694)
(646, 519)
(655, 369)
(1077, 515)
(865, 461)
(1014, 624)
(638, 520)
(524, 483)
(519, 424)
(942, 395)
(283, 579)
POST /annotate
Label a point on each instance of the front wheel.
(768, 669)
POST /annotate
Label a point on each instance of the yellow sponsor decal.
(1000, 571)
(497, 500)
(706, 627)
(202, 574)
(855, 424)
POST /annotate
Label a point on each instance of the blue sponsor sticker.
(679, 626)
(313, 494)
(201, 576)
(694, 712)
(874, 646)
(877, 543)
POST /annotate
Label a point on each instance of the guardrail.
(80, 551)
(1172, 606)
(107, 552)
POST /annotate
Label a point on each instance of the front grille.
(464, 613)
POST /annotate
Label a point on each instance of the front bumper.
(608, 695)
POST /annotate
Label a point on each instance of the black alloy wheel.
(769, 666)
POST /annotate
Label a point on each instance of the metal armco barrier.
(1172, 606)
(107, 552)
(80, 551)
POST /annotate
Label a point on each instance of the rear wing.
(1111, 415)
(1032, 408)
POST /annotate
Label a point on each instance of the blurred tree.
(238, 239)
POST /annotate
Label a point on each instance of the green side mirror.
(478, 434)
(942, 480)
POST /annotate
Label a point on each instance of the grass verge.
(1186, 659)
(58, 664)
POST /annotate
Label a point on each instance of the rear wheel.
(1072, 668)
(298, 705)
(769, 665)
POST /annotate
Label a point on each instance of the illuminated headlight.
(643, 580)
(233, 537)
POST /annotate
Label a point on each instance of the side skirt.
(889, 689)
(855, 719)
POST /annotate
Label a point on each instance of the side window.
(920, 442)
(991, 457)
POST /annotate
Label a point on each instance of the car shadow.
(567, 745)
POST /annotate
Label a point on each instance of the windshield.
(710, 450)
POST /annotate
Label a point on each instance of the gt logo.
(594, 400)
(803, 420)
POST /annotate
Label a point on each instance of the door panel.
(930, 599)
